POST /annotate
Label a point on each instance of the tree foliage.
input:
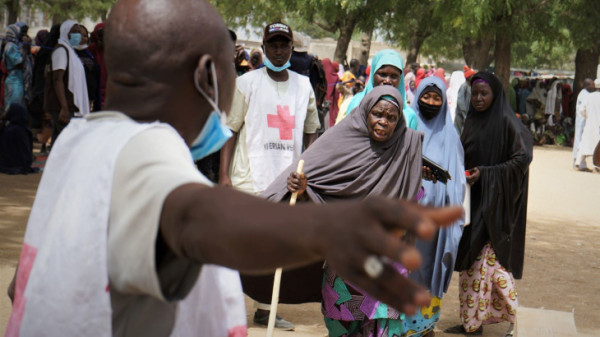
(581, 19)
(337, 18)
(61, 10)
(410, 23)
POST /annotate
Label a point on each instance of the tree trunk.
(62, 14)
(105, 15)
(502, 59)
(346, 31)
(478, 52)
(13, 9)
(57, 18)
(416, 41)
(365, 46)
(586, 65)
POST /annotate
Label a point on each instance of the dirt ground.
(562, 257)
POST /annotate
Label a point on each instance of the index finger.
(412, 217)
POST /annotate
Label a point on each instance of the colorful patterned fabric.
(13, 83)
(349, 311)
(365, 328)
(424, 320)
(487, 292)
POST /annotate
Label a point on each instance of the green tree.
(411, 23)
(340, 18)
(555, 52)
(61, 10)
(581, 18)
(13, 8)
(490, 27)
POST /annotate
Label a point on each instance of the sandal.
(459, 329)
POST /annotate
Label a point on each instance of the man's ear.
(204, 75)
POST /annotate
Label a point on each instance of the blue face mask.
(270, 65)
(214, 133)
(75, 39)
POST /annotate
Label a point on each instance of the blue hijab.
(384, 58)
(442, 145)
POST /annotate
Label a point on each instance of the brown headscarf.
(345, 163)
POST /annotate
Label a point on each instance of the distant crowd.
(45, 82)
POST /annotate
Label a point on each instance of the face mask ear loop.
(206, 97)
(213, 70)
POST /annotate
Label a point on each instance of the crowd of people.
(170, 187)
(56, 76)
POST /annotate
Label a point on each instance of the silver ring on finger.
(373, 266)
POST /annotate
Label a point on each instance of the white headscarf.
(538, 93)
(551, 98)
(77, 83)
(456, 81)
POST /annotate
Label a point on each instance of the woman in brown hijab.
(370, 153)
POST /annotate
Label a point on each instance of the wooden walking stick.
(277, 280)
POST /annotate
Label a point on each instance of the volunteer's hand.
(358, 232)
(225, 180)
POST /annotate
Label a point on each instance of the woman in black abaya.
(498, 150)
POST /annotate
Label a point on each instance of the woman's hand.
(296, 182)
(63, 116)
(428, 174)
(474, 176)
(225, 180)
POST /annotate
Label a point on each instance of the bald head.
(588, 84)
(152, 48)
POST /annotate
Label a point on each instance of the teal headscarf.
(384, 58)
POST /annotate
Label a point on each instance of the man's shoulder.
(583, 93)
(59, 49)
(300, 79)
(593, 98)
(121, 120)
(252, 75)
(248, 81)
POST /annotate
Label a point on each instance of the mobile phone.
(439, 172)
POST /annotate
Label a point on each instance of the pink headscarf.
(420, 76)
(441, 73)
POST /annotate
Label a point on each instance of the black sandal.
(459, 329)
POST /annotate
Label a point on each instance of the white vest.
(62, 280)
(274, 124)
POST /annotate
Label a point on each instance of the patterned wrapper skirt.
(487, 292)
(351, 312)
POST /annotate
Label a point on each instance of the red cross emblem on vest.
(283, 121)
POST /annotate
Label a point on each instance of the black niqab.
(501, 147)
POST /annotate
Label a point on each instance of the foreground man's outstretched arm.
(222, 226)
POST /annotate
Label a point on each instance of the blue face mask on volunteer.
(214, 133)
(75, 39)
(270, 65)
